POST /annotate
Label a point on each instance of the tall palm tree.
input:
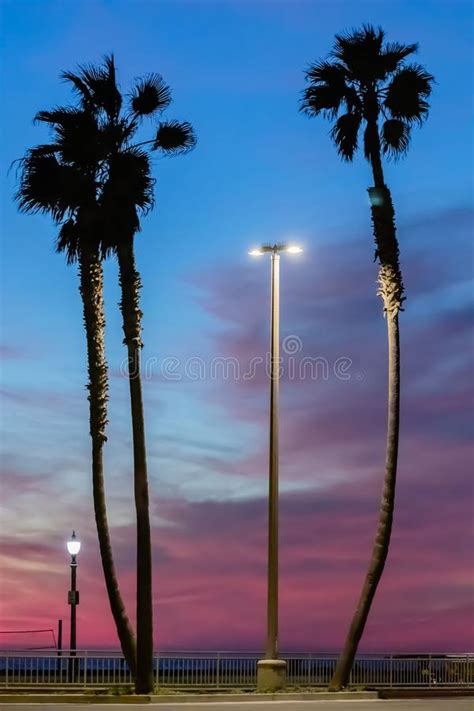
(127, 192)
(60, 179)
(367, 85)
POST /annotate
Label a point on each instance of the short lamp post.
(73, 547)
(271, 671)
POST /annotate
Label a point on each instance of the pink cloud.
(210, 571)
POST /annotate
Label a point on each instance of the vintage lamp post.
(73, 547)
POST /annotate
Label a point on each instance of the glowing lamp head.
(73, 545)
(293, 249)
(256, 252)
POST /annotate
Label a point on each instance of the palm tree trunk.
(391, 290)
(130, 284)
(91, 289)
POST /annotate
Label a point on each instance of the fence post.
(391, 671)
(85, 668)
(157, 678)
(60, 637)
(429, 671)
(218, 669)
(6, 673)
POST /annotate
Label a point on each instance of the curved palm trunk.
(91, 289)
(130, 284)
(391, 290)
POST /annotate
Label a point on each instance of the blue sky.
(261, 171)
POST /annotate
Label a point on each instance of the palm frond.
(366, 58)
(68, 240)
(360, 50)
(45, 149)
(327, 90)
(150, 94)
(174, 137)
(323, 99)
(79, 86)
(394, 53)
(407, 93)
(109, 62)
(106, 93)
(62, 116)
(344, 133)
(48, 186)
(324, 72)
(97, 87)
(395, 138)
(40, 181)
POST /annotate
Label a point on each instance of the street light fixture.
(271, 671)
(275, 248)
(73, 547)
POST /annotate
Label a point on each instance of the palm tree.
(368, 84)
(60, 179)
(127, 192)
(95, 183)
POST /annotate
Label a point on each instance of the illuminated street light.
(275, 249)
(73, 547)
(271, 671)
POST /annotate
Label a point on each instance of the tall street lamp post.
(271, 671)
(73, 547)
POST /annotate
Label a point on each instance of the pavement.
(448, 704)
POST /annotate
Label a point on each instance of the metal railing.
(229, 669)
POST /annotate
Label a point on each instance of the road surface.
(463, 704)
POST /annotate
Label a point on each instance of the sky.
(260, 172)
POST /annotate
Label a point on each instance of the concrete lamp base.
(271, 674)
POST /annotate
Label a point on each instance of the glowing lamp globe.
(73, 545)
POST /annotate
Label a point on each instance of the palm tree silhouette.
(120, 190)
(60, 179)
(126, 193)
(368, 85)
